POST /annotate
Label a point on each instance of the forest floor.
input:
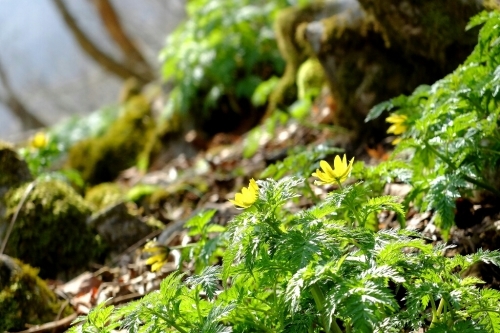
(223, 170)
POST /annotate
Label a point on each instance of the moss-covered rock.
(25, 298)
(104, 195)
(117, 221)
(293, 50)
(129, 139)
(373, 50)
(310, 79)
(13, 170)
(50, 231)
(391, 49)
(429, 29)
(119, 227)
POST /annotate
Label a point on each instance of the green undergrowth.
(282, 266)
(218, 57)
(450, 142)
(313, 270)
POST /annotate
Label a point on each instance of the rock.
(373, 50)
(50, 231)
(13, 172)
(25, 298)
(118, 228)
(128, 141)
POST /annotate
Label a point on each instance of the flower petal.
(253, 185)
(326, 167)
(396, 119)
(247, 196)
(337, 164)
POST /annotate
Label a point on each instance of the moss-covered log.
(128, 142)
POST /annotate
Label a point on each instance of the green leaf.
(197, 223)
(381, 203)
(263, 90)
(377, 110)
(208, 280)
(211, 324)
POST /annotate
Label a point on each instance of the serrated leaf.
(208, 280)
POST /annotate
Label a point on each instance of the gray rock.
(118, 227)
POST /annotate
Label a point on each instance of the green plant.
(205, 251)
(299, 163)
(211, 239)
(220, 55)
(450, 130)
(318, 270)
(47, 149)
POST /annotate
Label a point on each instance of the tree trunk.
(94, 52)
(28, 120)
(113, 25)
(374, 50)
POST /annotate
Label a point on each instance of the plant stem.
(435, 318)
(485, 310)
(276, 228)
(319, 299)
(197, 301)
(356, 216)
(436, 313)
(467, 178)
(167, 320)
(314, 197)
(442, 302)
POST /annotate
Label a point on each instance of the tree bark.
(114, 27)
(374, 50)
(94, 52)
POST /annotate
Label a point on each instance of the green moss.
(25, 298)
(293, 51)
(50, 231)
(491, 5)
(128, 139)
(373, 52)
(310, 78)
(13, 170)
(104, 195)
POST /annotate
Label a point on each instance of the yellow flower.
(159, 257)
(40, 140)
(157, 261)
(337, 175)
(247, 196)
(398, 124)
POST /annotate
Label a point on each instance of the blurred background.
(63, 58)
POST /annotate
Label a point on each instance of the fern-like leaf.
(208, 280)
